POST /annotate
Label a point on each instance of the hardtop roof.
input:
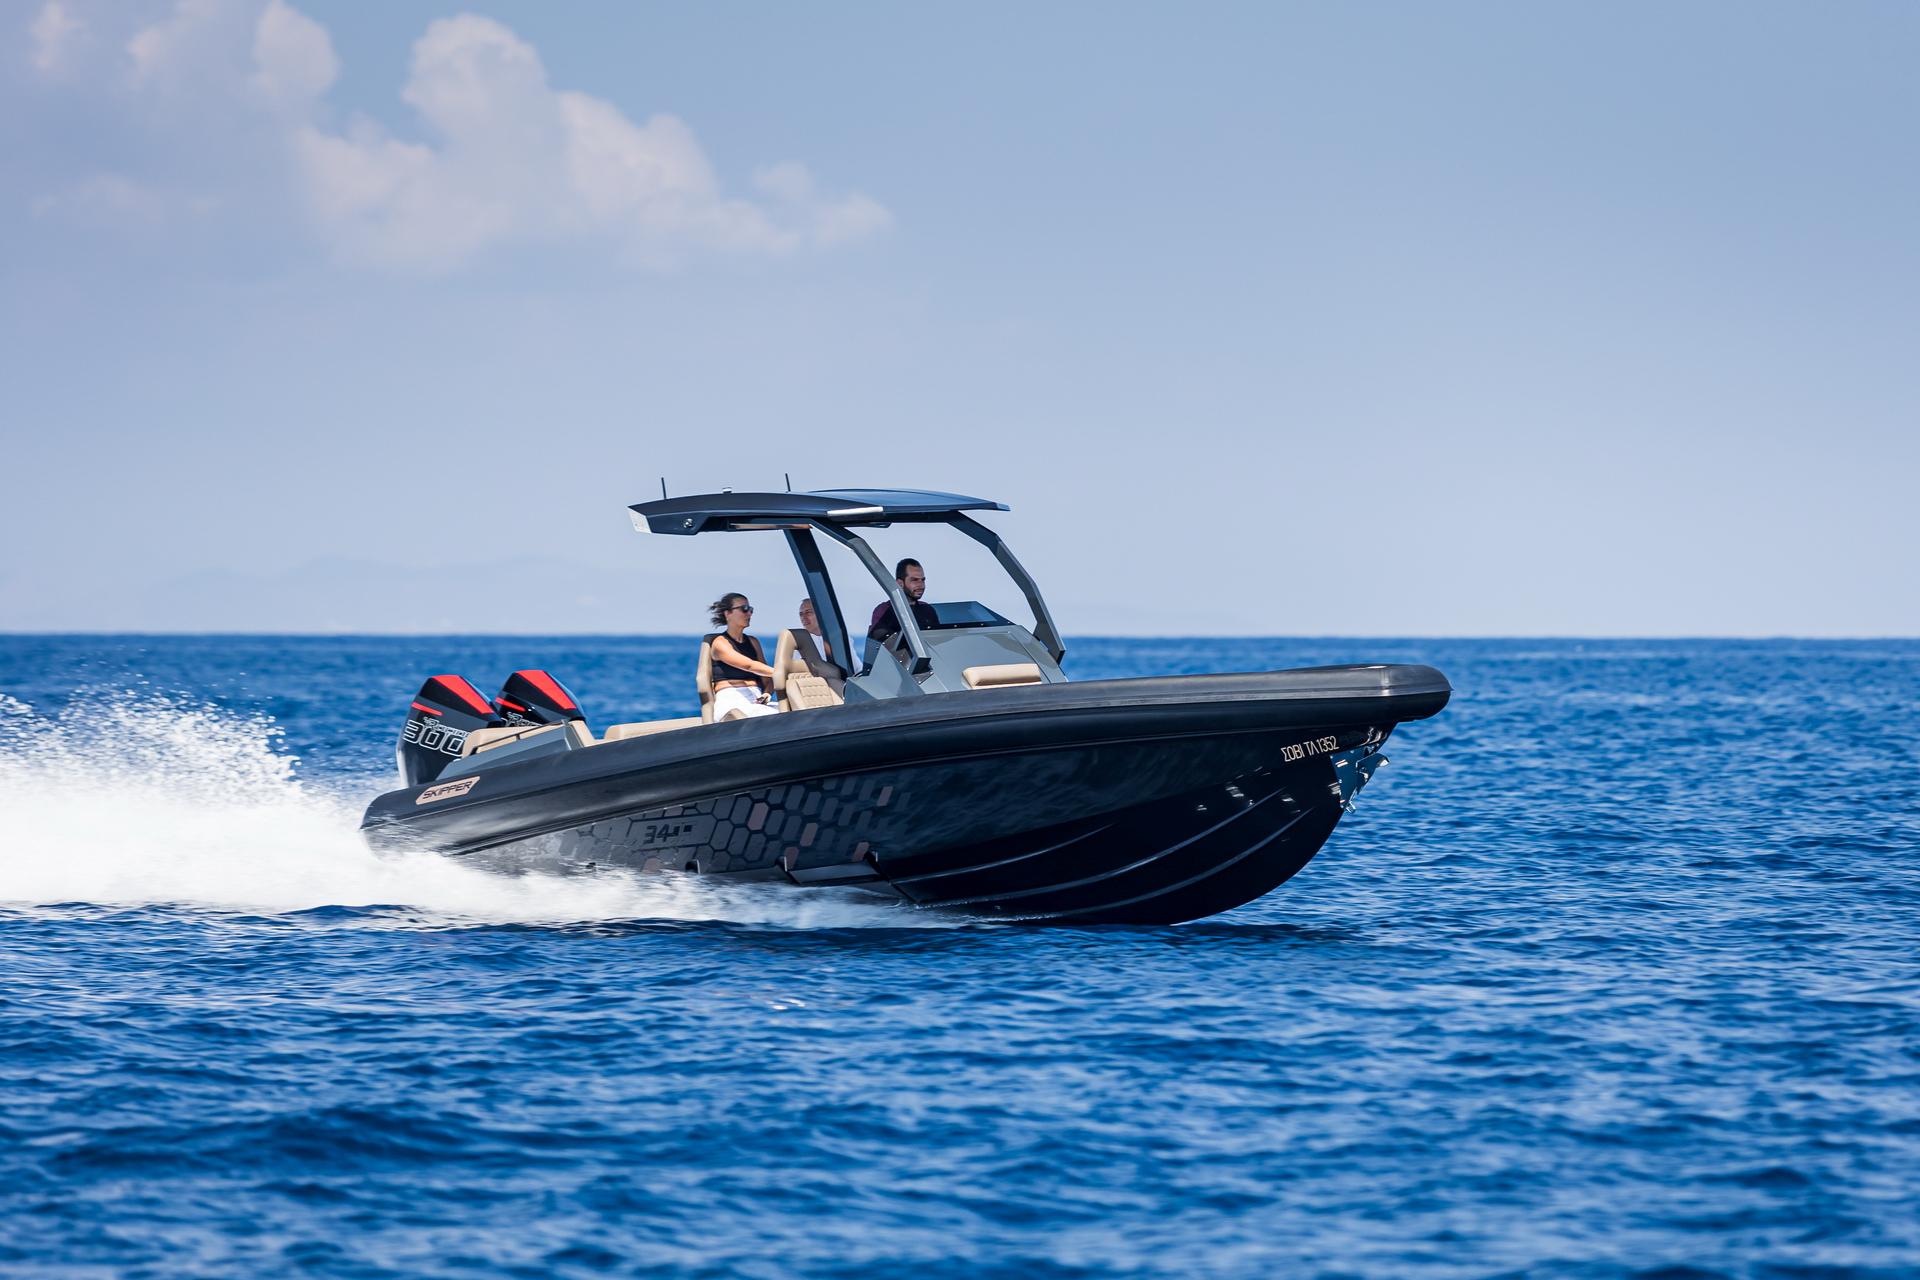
(733, 512)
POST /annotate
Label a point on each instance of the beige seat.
(644, 728)
(806, 693)
(1002, 674)
(787, 659)
(479, 740)
(703, 681)
(800, 678)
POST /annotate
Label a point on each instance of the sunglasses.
(742, 608)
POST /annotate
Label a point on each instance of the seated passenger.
(913, 581)
(810, 622)
(740, 670)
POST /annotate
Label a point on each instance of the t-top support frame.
(1043, 629)
(833, 620)
(919, 660)
(826, 604)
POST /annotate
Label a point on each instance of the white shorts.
(738, 702)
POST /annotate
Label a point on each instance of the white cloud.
(293, 58)
(513, 159)
(187, 50)
(497, 156)
(831, 221)
(53, 32)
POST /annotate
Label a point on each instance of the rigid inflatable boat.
(953, 766)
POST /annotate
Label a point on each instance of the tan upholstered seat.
(578, 735)
(1000, 674)
(644, 728)
(479, 740)
(703, 681)
(799, 673)
(787, 660)
(805, 693)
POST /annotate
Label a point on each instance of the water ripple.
(1610, 975)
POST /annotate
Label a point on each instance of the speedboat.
(954, 766)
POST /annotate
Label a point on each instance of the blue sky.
(1385, 319)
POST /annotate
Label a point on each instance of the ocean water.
(1614, 971)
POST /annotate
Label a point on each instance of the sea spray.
(129, 799)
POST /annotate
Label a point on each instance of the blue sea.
(1614, 971)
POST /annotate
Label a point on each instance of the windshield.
(953, 615)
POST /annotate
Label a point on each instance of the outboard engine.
(446, 709)
(534, 697)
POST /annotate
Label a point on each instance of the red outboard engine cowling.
(446, 709)
(534, 697)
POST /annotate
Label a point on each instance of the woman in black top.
(741, 675)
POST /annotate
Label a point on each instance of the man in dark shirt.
(913, 581)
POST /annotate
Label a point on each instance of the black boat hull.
(1128, 801)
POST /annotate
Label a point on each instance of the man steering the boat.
(913, 582)
(885, 624)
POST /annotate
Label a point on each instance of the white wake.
(138, 799)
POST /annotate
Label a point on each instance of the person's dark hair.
(900, 570)
(718, 609)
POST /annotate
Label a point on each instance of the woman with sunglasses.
(741, 675)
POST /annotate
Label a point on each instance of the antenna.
(663, 487)
(789, 478)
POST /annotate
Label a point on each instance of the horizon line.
(1196, 637)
